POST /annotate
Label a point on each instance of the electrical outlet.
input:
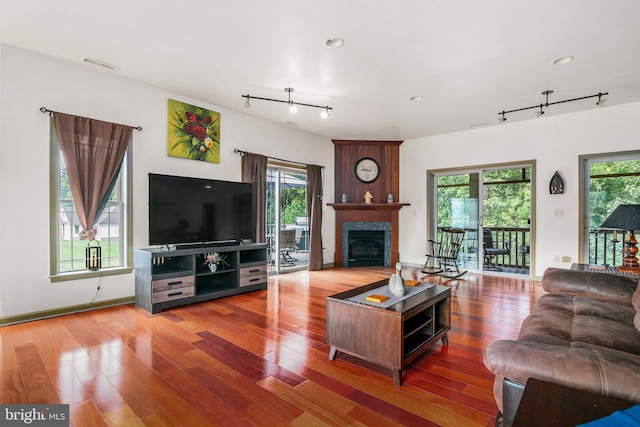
(556, 258)
(558, 212)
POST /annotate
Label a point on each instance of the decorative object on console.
(345, 198)
(396, 282)
(367, 170)
(556, 185)
(213, 260)
(368, 197)
(626, 218)
(94, 256)
(389, 198)
(193, 132)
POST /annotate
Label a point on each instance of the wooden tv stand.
(170, 278)
(390, 337)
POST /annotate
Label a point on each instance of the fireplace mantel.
(367, 207)
(363, 212)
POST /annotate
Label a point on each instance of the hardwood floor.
(259, 359)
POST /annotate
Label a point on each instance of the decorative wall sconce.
(556, 186)
(292, 105)
(94, 256)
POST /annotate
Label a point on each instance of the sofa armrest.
(608, 372)
(603, 286)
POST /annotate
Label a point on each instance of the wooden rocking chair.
(443, 256)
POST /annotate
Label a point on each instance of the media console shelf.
(171, 278)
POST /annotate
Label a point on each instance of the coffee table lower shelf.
(393, 337)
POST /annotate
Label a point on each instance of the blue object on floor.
(627, 418)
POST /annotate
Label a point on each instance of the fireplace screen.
(366, 248)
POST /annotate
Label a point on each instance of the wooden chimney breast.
(386, 154)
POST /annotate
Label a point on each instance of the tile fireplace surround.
(349, 226)
(361, 216)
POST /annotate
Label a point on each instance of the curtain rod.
(235, 150)
(46, 110)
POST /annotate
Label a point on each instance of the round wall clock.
(367, 169)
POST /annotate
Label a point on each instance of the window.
(113, 231)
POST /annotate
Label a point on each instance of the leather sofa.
(583, 333)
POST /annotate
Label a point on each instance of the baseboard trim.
(45, 314)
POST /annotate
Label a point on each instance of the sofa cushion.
(603, 286)
(607, 310)
(635, 300)
(550, 321)
(598, 333)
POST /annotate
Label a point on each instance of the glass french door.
(287, 219)
(608, 181)
(493, 206)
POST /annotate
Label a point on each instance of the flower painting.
(193, 132)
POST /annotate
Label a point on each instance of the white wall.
(555, 143)
(29, 81)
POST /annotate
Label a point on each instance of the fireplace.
(367, 217)
(366, 243)
(365, 248)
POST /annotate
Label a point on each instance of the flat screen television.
(186, 210)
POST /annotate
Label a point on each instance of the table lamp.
(626, 217)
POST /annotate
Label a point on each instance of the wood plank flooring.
(260, 359)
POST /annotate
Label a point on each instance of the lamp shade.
(624, 217)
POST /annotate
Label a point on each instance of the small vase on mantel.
(396, 282)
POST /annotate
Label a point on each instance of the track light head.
(539, 113)
(247, 103)
(325, 113)
(503, 118)
(292, 108)
(601, 102)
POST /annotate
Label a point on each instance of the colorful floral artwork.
(193, 132)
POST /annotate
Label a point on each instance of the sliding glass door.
(287, 219)
(493, 206)
(608, 181)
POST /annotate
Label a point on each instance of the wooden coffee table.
(391, 337)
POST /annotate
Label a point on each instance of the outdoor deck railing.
(605, 246)
(519, 246)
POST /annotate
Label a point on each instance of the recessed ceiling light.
(563, 60)
(334, 43)
(416, 98)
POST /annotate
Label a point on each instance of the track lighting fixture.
(293, 106)
(546, 93)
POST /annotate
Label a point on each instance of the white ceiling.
(469, 59)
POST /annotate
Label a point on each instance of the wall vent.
(99, 63)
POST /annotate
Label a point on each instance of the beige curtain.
(314, 202)
(254, 170)
(93, 151)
